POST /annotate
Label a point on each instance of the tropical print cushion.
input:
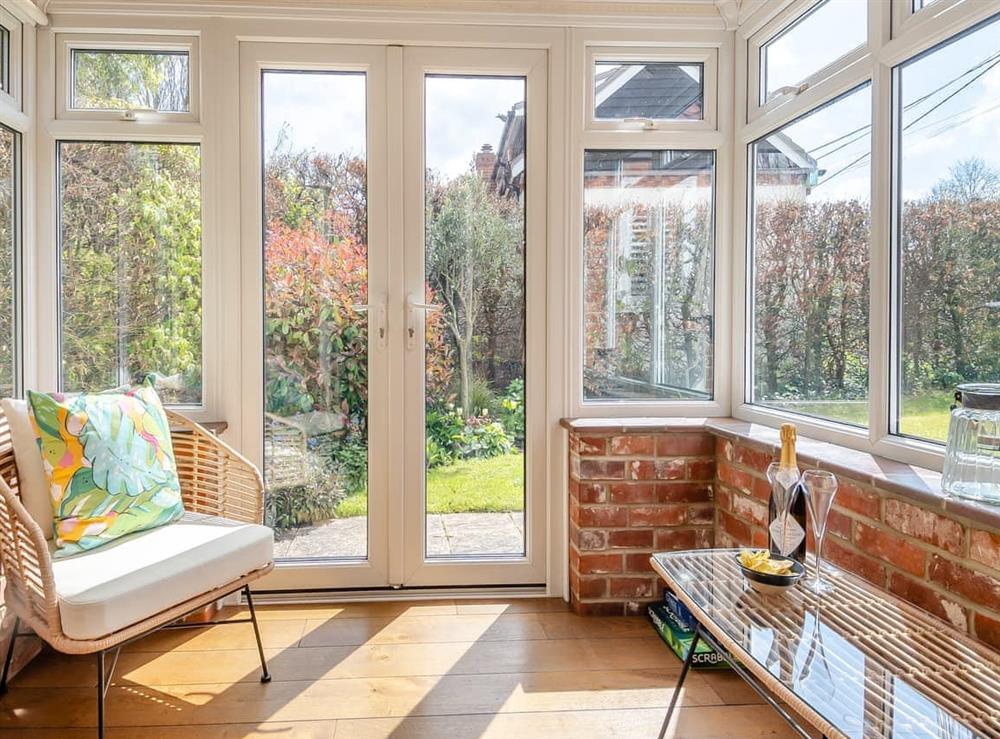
(109, 463)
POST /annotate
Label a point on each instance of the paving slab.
(447, 534)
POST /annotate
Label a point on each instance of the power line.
(949, 96)
(949, 125)
(995, 58)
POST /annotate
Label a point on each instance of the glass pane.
(9, 238)
(810, 207)
(130, 248)
(5, 59)
(648, 273)
(949, 227)
(822, 650)
(830, 30)
(130, 80)
(474, 257)
(315, 338)
(657, 90)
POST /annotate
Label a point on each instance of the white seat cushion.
(31, 477)
(118, 584)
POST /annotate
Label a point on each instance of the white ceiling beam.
(617, 13)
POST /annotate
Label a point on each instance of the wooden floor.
(505, 669)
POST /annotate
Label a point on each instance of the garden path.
(447, 534)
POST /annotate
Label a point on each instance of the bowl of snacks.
(769, 573)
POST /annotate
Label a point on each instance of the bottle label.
(786, 537)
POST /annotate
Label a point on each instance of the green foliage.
(7, 245)
(316, 271)
(316, 342)
(350, 456)
(483, 437)
(481, 396)
(474, 261)
(512, 411)
(444, 431)
(300, 506)
(812, 295)
(131, 266)
(438, 455)
(110, 80)
(450, 437)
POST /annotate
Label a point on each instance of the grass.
(472, 486)
(925, 416)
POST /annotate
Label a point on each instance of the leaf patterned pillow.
(109, 462)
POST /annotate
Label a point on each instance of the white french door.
(393, 251)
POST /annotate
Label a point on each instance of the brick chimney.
(486, 159)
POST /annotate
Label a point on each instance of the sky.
(325, 111)
(947, 117)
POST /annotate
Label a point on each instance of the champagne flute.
(821, 489)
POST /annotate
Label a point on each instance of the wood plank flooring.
(497, 669)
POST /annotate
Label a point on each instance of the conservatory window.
(829, 31)
(11, 61)
(10, 185)
(105, 79)
(131, 266)
(650, 90)
(947, 202)
(810, 230)
(648, 275)
(4, 58)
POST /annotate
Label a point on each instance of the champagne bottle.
(787, 536)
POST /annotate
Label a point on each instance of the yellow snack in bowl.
(759, 560)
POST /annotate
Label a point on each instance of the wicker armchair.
(214, 479)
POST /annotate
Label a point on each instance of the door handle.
(380, 326)
(413, 308)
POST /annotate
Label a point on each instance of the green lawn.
(925, 416)
(473, 486)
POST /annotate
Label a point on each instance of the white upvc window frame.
(58, 125)
(713, 134)
(17, 108)
(949, 19)
(847, 65)
(11, 95)
(706, 58)
(69, 43)
(906, 20)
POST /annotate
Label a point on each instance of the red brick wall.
(942, 563)
(631, 495)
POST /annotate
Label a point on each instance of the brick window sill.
(921, 485)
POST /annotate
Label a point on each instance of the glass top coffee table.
(856, 662)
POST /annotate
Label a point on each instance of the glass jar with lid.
(972, 459)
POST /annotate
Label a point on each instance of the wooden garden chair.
(94, 603)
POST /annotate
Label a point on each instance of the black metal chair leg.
(680, 683)
(10, 655)
(265, 676)
(101, 689)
